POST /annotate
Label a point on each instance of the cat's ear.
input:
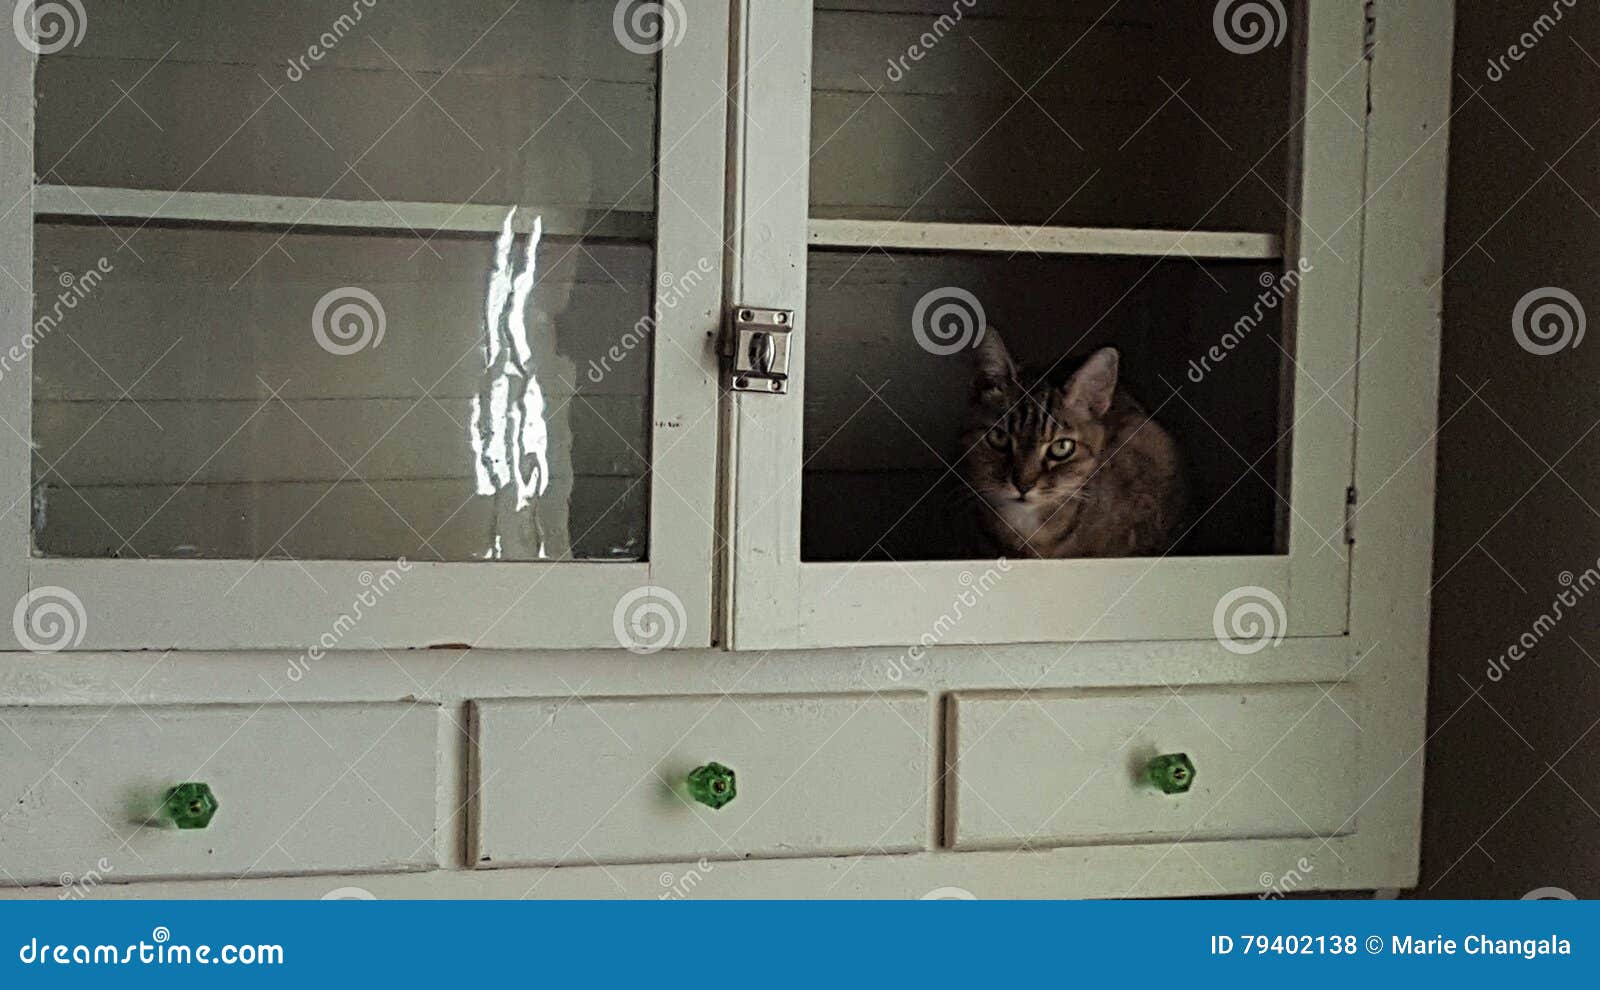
(1091, 388)
(994, 371)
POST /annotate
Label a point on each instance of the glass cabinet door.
(390, 318)
(1076, 296)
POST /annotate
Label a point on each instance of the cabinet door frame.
(779, 601)
(243, 604)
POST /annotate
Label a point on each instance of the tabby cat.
(1070, 469)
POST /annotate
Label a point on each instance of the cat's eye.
(1063, 449)
(999, 439)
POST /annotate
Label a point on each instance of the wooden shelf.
(296, 211)
(998, 238)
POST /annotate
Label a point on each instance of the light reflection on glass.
(510, 439)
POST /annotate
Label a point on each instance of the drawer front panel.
(316, 788)
(1048, 769)
(602, 780)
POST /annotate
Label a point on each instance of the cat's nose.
(1023, 487)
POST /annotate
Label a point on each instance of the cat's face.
(1031, 446)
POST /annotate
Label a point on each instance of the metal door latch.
(758, 349)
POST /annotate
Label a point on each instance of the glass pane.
(893, 471)
(442, 370)
(1134, 114)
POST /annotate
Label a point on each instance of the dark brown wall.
(1513, 764)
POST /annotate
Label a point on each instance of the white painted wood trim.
(1322, 328)
(691, 190)
(442, 676)
(1005, 239)
(318, 607)
(1202, 869)
(16, 327)
(1402, 299)
(301, 211)
(1028, 601)
(771, 206)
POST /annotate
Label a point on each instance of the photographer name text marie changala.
(1480, 945)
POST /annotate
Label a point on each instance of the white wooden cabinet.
(374, 455)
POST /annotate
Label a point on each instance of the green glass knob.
(1171, 773)
(713, 785)
(190, 805)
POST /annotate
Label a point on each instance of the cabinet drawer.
(1062, 769)
(316, 788)
(602, 780)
